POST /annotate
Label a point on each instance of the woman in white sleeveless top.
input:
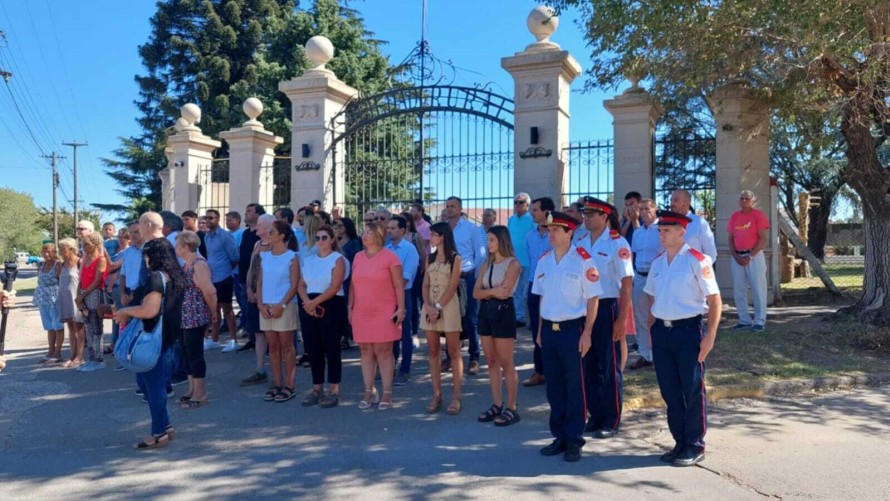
(276, 288)
(323, 315)
(497, 324)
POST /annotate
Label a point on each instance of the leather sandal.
(453, 408)
(271, 394)
(435, 405)
(385, 404)
(490, 415)
(508, 417)
(153, 442)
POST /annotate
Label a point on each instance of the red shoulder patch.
(592, 274)
(707, 273)
(624, 253)
(583, 252)
(698, 255)
(614, 234)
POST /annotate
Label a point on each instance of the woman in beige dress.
(441, 314)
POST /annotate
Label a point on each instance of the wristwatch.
(283, 305)
(439, 307)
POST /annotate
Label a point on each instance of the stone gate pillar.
(543, 74)
(742, 122)
(251, 147)
(188, 151)
(316, 96)
(635, 115)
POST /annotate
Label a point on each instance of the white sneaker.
(87, 367)
(211, 345)
(230, 346)
(415, 340)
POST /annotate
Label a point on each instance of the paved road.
(68, 435)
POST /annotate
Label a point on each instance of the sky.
(73, 66)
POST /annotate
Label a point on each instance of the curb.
(770, 388)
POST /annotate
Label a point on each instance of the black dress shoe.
(591, 427)
(573, 452)
(249, 346)
(555, 447)
(689, 457)
(669, 457)
(605, 433)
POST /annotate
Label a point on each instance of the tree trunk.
(871, 181)
(817, 233)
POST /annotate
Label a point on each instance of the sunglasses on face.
(321, 238)
(368, 221)
(379, 219)
(518, 202)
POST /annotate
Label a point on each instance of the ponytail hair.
(287, 232)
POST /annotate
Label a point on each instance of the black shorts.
(497, 318)
(224, 291)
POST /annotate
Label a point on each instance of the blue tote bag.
(138, 350)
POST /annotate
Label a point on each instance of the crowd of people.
(309, 284)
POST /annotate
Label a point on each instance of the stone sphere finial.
(180, 124)
(542, 23)
(319, 50)
(253, 108)
(190, 115)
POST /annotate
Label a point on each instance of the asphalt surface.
(69, 435)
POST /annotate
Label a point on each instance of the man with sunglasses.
(519, 224)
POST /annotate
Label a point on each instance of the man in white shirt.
(473, 250)
(519, 224)
(407, 252)
(646, 246)
(698, 234)
(682, 289)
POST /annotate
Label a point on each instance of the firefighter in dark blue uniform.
(602, 364)
(682, 290)
(567, 280)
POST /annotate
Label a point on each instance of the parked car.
(35, 260)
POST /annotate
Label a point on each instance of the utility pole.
(75, 144)
(53, 159)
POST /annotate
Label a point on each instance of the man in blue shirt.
(473, 250)
(410, 258)
(537, 243)
(222, 256)
(519, 224)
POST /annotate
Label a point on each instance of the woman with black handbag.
(497, 324)
(161, 302)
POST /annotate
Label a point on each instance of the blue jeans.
(154, 388)
(178, 369)
(241, 298)
(407, 344)
(115, 327)
(469, 320)
(520, 294)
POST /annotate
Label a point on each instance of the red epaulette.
(660, 254)
(583, 252)
(698, 255)
(614, 234)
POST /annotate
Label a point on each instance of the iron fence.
(275, 183)
(214, 182)
(591, 166)
(687, 162)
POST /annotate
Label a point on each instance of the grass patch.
(26, 285)
(844, 276)
(811, 350)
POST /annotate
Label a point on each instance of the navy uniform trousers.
(681, 378)
(602, 376)
(562, 369)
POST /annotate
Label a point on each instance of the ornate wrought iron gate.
(426, 142)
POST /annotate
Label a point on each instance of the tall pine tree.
(217, 53)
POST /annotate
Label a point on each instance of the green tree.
(217, 53)
(18, 218)
(67, 223)
(809, 56)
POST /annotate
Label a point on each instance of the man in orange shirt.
(748, 233)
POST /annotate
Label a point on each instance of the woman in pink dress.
(376, 311)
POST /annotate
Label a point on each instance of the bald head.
(681, 200)
(150, 226)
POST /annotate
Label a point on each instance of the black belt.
(671, 324)
(559, 326)
(465, 274)
(643, 273)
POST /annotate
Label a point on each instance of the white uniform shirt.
(613, 259)
(681, 288)
(700, 237)
(566, 286)
(646, 246)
